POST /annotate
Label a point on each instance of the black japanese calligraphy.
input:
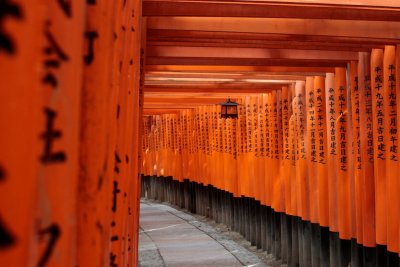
(49, 136)
(116, 191)
(393, 148)
(2, 174)
(342, 138)
(8, 9)
(267, 130)
(117, 162)
(66, 7)
(285, 115)
(118, 111)
(6, 238)
(53, 47)
(312, 126)
(301, 152)
(356, 115)
(368, 111)
(129, 241)
(91, 37)
(380, 145)
(113, 258)
(55, 232)
(54, 56)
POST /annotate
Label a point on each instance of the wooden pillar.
(391, 147)
(379, 153)
(294, 257)
(97, 116)
(331, 115)
(357, 215)
(397, 63)
(23, 120)
(285, 177)
(367, 160)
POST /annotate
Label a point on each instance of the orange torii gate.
(309, 171)
(69, 172)
(306, 155)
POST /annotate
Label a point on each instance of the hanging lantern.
(229, 109)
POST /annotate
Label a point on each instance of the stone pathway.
(169, 237)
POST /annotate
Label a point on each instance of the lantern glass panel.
(231, 110)
(224, 110)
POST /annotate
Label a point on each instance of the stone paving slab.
(149, 256)
(170, 237)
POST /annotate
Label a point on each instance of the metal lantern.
(229, 109)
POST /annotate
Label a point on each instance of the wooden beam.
(213, 68)
(254, 53)
(239, 76)
(245, 62)
(259, 38)
(220, 85)
(265, 44)
(188, 99)
(268, 10)
(154, 76)
(370, 3)
(159, 111)
(211, 90)
(173, 105)
(226, 85)
(323, 27)
(183, 95)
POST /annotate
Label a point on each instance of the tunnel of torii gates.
(102, 102)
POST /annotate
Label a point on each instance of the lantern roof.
(229, 103)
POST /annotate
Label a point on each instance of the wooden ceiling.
(200, 52)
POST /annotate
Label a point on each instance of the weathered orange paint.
(285, 167)
(343, 145)
(311, 145)
(22, 121)
(331, 116)
(397, 62)
(302, 181)
(391, 143)
(322, 151)
(295, 188)
(357, 213)
(367, 155)
(379, 137)
(59, 116)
